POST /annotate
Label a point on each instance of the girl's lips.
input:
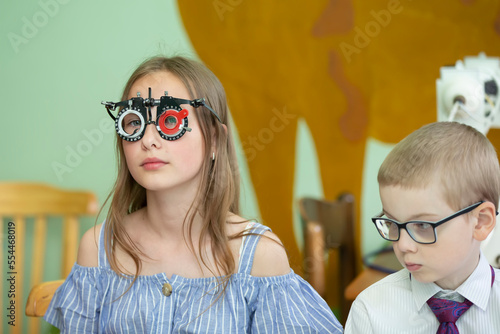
(413, 266)
(153, 165)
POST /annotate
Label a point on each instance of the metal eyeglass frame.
(432, 224)
(167, 106)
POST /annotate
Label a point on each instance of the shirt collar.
(476, 288)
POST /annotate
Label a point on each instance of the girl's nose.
(151, 137)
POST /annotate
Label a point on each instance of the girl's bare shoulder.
(270, 258)
(88, 250)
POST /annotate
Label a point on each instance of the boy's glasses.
(423, 232)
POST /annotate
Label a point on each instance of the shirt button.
(167, 289)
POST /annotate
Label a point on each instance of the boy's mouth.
(412, 266)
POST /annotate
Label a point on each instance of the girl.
(173, 255)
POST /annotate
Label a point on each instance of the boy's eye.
(422, 226)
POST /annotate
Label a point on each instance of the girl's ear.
(486, 220)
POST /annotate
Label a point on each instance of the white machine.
(468, 93)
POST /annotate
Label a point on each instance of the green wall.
(58, 61)
(54, 77)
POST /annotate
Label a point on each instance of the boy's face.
(453, 257)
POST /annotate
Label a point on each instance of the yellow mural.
(350, 68)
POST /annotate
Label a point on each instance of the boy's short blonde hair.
(458, 156)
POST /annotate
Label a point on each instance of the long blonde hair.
(218, 192)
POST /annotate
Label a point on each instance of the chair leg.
(314, 264)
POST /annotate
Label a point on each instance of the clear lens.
(170, 122)
(388, 229)
(131, 124)
(421, 232)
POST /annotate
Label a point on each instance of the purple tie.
(448, 311)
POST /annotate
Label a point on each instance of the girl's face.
(158, 164)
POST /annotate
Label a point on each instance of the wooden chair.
(329, 247)
(22, 200)
(378, 264)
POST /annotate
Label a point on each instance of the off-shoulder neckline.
(189, 280)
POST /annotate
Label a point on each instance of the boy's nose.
(406, 244)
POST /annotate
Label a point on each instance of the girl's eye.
(170, 122)
(131, 123)
(136, 123)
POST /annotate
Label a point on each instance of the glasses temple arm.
(199, 102)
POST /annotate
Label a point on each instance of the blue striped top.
(89, 301)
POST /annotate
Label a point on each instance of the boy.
(440, 190)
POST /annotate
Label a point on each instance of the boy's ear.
(486, 220)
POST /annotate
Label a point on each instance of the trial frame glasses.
(171, 121)
(422, 232)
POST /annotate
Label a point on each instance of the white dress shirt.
(398, 304)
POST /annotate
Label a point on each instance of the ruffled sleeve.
(75, 306)
(288, 304)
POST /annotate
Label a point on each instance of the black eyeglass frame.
(432, 224)
(142, 108)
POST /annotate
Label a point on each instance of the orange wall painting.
(352, 69)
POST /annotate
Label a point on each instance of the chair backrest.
(20, 201)
(329, 247)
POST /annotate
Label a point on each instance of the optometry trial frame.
(135, 115)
